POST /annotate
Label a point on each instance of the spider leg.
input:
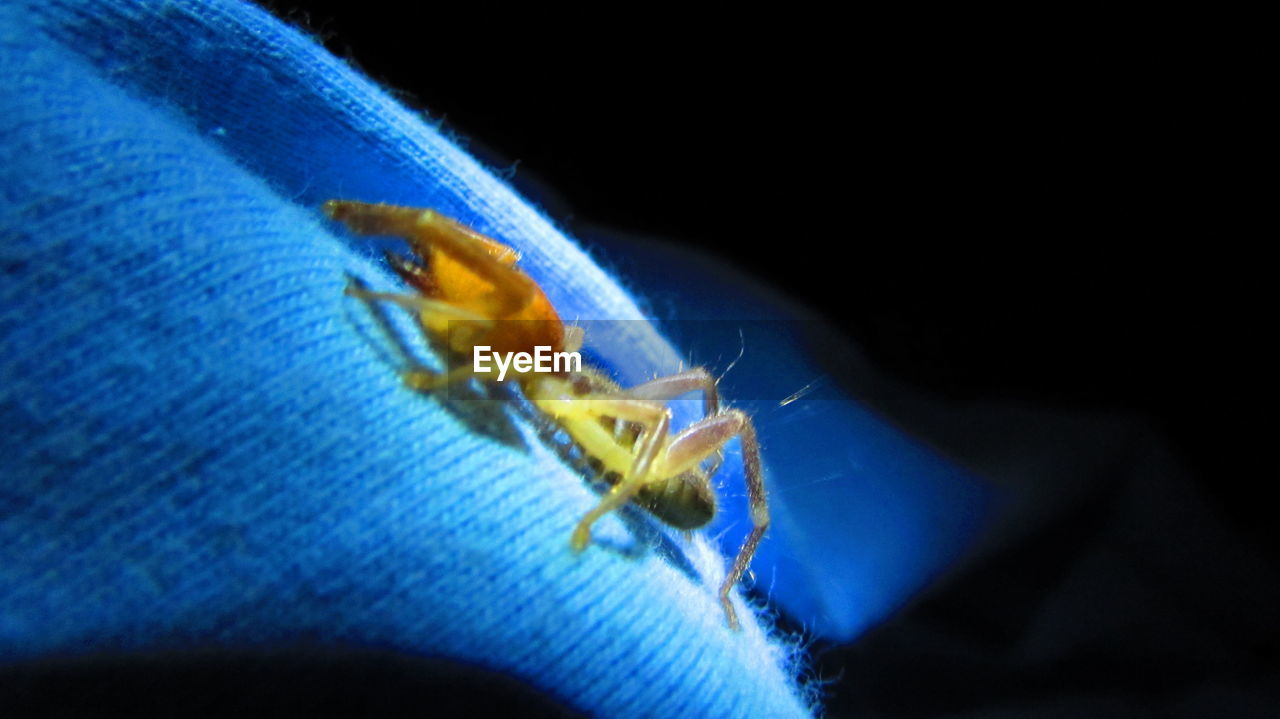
(420, 378)
(426, 381)
(414, 223)
(573, 337)
(427, 231)
(698, 442)
(580, 416)
(672, 386)
(420, 304)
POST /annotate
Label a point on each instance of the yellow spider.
(470, 293)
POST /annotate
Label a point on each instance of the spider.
(470, 293)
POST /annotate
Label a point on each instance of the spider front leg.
(701, 440)
(428, 231)
(672, 386)
(419, 378)
(580, 417)
(662, 464)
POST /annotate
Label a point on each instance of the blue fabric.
(204, 443)
(864, 516)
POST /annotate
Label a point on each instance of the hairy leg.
(428, 230)
(699, 441)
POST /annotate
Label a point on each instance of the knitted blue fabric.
(204, 443)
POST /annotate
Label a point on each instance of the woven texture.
(205, 443)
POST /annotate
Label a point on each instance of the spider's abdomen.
(684, 501)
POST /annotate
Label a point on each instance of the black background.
(1055, 210)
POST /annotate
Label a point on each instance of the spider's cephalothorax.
(466, 280)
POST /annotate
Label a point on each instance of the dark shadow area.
(282, 681)
(1127, 597)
